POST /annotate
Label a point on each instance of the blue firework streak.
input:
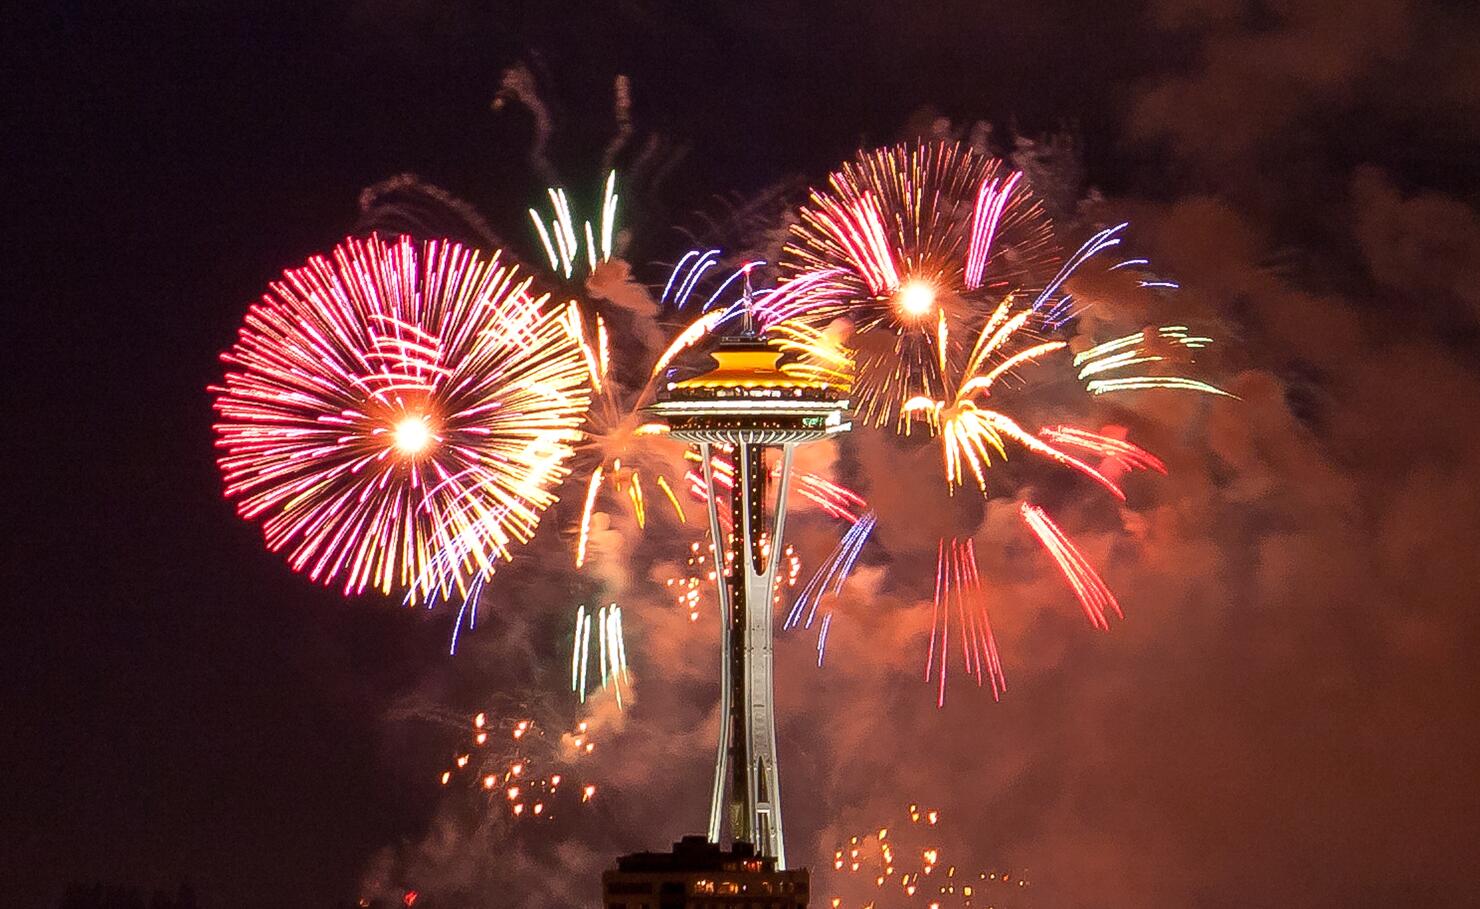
(469, 607)
(692, 276)
(829, 579)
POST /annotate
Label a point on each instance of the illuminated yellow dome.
(753, 364)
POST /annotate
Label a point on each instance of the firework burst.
(969, 433)
(908, 238)
(914, 245)
(398, 416)
(910, 249)
(619, 450)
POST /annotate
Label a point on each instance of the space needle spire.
(747, 301)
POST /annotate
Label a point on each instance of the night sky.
(1288, 717)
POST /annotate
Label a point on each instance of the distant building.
(698, 874)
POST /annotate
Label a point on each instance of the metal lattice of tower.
(748, 403)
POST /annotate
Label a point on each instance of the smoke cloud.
(1286, 716)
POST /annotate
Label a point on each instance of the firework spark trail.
(444, 563)
(584, 537)
(692, 334)
(1168, 343)
(814, 291)
(619, 446)
(1007, 427)
(837, 501)
(692, 266)
(819, 354)
(1128, 456)
(958, 586)
(616, 662)
(832, 573)
(1145, 383)
(563, 244)
(395, 403)
(829, 579)
(611, 645)
(1055, 313)
(580, 653)
(1094, 597)
(470, 609)
(516, 767)
(857, 227)
(904, 855)
(440, 562)
(822, 638)
(676, 271)
(1168, 336)
(969, 434)
(991, 199)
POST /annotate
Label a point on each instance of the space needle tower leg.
(745, 773)
(763, 789)
(726, 645)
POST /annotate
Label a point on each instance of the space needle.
(748, 403)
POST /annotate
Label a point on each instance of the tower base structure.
(698, 873)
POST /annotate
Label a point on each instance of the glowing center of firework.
(916, 299)
(412, 435)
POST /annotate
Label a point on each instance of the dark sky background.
(1289, 718)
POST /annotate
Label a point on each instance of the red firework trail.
(1131, 457)
(958, 587)
(1094, 596)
